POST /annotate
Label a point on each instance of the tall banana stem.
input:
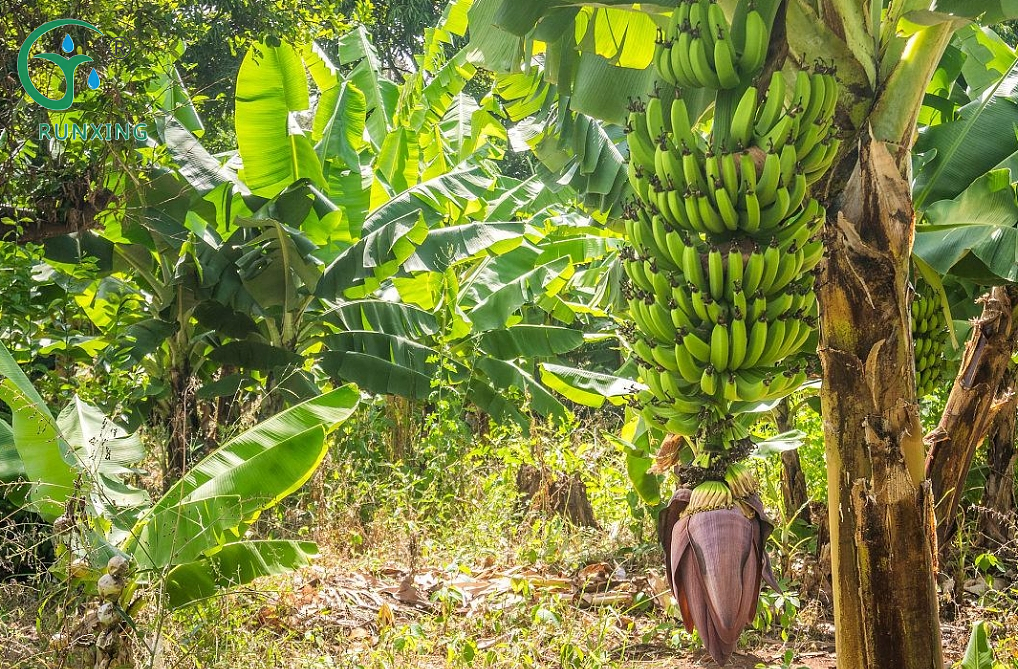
(885, 598)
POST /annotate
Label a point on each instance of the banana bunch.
(740, 480)
(805, 124)
(724, 242)
(709, 496)
(725, 235)
(725, 238)
(929, 337)
(748, 178)
(697, 50)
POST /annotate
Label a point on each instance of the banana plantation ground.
(438, 559)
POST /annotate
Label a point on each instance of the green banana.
(662, 58)
(641, 148)
(779, 305)
(661, 317)
(724, 63)
(730, 175)
(735, 270)
(773, 215)
(743, 118)
(691, 266)
(700, 63)
(757, 40)
(754, 271)
(690, 368)
(772, 262)
(716, 273)
(709, 381)
(726, 209)
(696, 346)
(738, 299)
(775, 340)
(654, 116)
(696, 296)
(682, 126)
(684, 305)
(719, 342)
(756, 342)
(747, 172)
(803, 87)
(789, 268)
(738, 342)
(716, 311)
(681, 65)
(774, 103)
(770, 177)
(709, 217)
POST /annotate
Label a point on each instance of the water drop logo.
(67, 64)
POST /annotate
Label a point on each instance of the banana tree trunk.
(997, 521)
(971, 406)
(882, 534)
(794, 495)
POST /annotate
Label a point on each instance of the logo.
(67, 65)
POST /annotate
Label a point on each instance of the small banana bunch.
(740, 480)
(709, 496)
(712, 495)
(929, 338)
(698, 50)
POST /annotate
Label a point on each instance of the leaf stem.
(896, 111)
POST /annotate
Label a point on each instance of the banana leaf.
(46, 458)
(234, 564)
(360, 269)
(585, 387)
(507, 376)
(272, 84)
(394, 318)
(183, 532)
(267, 462)
(975, 235)
(381, 363)
(530, 341)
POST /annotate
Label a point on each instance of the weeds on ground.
(411, 489)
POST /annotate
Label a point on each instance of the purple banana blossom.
(714, 562)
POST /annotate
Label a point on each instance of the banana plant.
(486, 306)
(192, 538)
(190, 542)
(964, 187)
(385, 192)
(77, 458)
(428, 159)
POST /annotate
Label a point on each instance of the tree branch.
(64, 221)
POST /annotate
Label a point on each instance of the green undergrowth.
(432, 489)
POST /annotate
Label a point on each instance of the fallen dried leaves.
(361, 604)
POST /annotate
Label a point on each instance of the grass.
(429, 558)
